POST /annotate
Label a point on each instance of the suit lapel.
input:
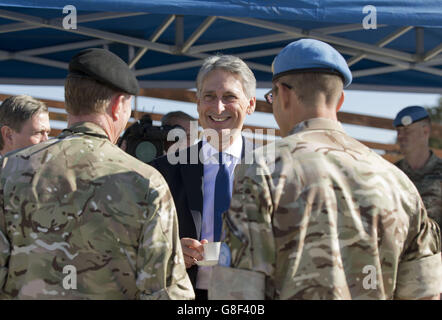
(248, 146)
(193, 179)
(192, 175)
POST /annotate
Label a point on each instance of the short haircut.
(85, 96)
(309, 85)
(230, 64)
(168, 118)
(16, 110)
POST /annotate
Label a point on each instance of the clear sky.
(381, 104)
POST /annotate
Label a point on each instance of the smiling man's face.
(223, 105)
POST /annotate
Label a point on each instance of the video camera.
(145, 141)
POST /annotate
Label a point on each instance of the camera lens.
(146, 151)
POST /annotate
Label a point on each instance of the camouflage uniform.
(428, 181)
(79, 200)
(333, 220)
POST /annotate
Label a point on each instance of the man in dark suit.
(201, 176)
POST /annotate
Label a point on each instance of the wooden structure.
(391, 150)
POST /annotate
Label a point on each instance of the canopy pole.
(179, 31)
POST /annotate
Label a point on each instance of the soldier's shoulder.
(433, 168)
(22, 159)
(297, 145)
(277, 146)
(399, 163)
(31, 150)
(439, 164)
(132, 163)
(269, 158)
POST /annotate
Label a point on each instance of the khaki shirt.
(321, 216)
(428, 181)
(81, 219)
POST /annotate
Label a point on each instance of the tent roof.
(166, 41)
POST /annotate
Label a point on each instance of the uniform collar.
(432, 161)
(426, 168)
(88, 128)
(317, 124)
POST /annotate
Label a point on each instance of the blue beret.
(105, 67)
(309, 55)
(409, 115)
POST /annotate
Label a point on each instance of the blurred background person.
(422, 166)
(146, 141)
(183, 120)
(24, 121)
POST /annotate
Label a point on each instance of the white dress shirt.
(209, 157)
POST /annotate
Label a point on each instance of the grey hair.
(16, 110)
(230, 64)
(168, 118)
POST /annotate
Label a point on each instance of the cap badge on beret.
(410, 115)
(406, 120)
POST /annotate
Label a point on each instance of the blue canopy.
(394, 45)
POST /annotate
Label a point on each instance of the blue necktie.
(222, 196)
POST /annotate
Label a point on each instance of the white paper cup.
(211, 254)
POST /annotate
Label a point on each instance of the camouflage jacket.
(324, 217)
(428, 181)
(81, 219)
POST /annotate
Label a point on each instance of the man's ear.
(252, 105)
(427, 129)
(285, 95)
(116, 106)
(6, 133)
(340, 102)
